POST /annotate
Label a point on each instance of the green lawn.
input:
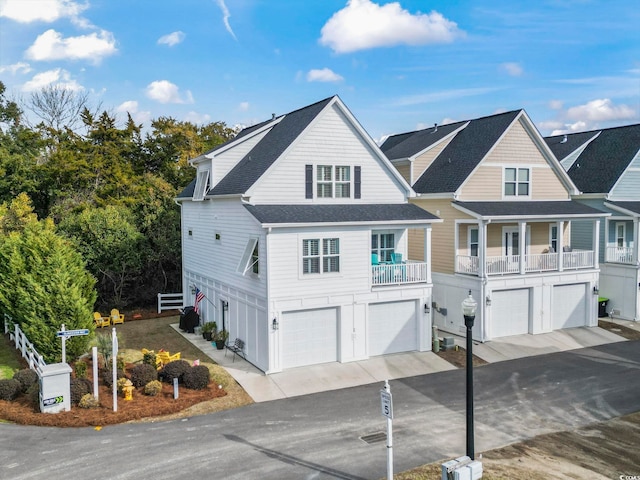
(10, 359)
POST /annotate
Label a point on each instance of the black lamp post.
(469, 306)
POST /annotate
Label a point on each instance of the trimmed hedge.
(175, 369)
(142, 374)
(153, 388)
(26, 377)
(79, 388)
(10, 388)
(197, 378)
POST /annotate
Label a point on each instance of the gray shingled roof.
(291, 214)
(268, 150)
(563, 208)
(465, 151)
(405, 145)
(631, 206)
(574, 141)
(605, 159)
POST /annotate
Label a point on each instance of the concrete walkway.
(334, 376)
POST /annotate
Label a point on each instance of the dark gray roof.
(631, 206)
(566, 208)
(273, 214)
(605, 159)
(405, 145)
(561, 149)
(458, 159)
(188, 190)
(273, 144)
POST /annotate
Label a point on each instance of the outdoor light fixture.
(426, 308)
(469, 306)
(488, 301)
(596, 291)
(274, 324)
(225, 305)
(193, 290)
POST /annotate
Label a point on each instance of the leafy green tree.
(44, 283)
(113, 248)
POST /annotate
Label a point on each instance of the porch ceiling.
(529, 210)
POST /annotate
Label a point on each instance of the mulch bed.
(626, 332)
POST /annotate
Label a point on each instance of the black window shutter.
(308, 181)
(356, 182)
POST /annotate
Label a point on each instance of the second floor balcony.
(619, 255)
(531, 263)
(403, 273)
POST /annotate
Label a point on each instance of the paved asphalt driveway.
(318, 436)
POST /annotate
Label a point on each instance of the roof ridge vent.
(564, 139)
(273, 116)
(435, 127)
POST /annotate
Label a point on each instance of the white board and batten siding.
(331, 141)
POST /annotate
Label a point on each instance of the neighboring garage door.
(392, 328)
(509, 312)
(309, 337)
(569, 306)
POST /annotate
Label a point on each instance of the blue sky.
(573, 65)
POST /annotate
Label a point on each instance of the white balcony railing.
(619, 255)
(539, 262)
(401, 273)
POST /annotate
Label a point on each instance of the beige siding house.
(506, 235)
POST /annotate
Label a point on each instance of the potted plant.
(208, 329)
(220, 338)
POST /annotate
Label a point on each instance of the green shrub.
(81, 369)
(9, 389)
(142, 374)
(120, 363)
(26, 377)
(107, 377)
(149, 358)
(33, 395)
(79, 388)
(175, 369)
(122, 382)
(88, 401)
(153, 388)
(197, 378)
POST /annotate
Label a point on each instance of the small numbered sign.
(387, 404)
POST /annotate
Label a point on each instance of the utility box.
(55, 388)
(448, 343)
(462, 468)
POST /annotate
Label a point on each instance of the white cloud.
(244, 106)
(323, 75)
(556, 104)
(52, 46)
(363, 24)
(130, 106)
(57, 77)
(20, 67)
(225, 17)
(48, 11)
(164, 91)
(172, 39)
(600, 110)
(512, 69)
(198, 118)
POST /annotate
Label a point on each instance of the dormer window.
(517, 182)
(202, 185)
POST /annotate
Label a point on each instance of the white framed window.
(553, 238)
(472, 241)
(383, 245)
(621, 234)
(517, 182)
(333, 181)
(250, 261)
(317, 260)
(202, 185)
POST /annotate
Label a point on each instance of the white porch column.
(482, 249)
(427, 251)
(635, 255)
(522, 244)
(596, 243)
(560, 243)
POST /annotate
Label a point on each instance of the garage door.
(309, 337)
(569, 306)
(392, 328)
(509, 312)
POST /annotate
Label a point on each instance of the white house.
(296, 232)
(605, 166)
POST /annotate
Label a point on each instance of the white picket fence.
(170, 301)
(22, 343)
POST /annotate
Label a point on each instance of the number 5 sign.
(387, 403)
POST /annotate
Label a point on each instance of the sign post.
(64, 334)
(114, 355)
(386, 401)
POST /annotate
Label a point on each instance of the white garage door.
(309, 337)
(509, 312)
(569, 306)
(392, 328)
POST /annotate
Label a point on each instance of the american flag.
(199, 297)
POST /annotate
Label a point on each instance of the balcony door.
(511, 241)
